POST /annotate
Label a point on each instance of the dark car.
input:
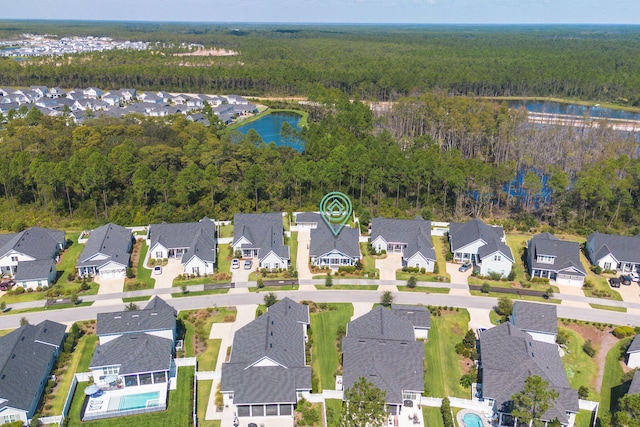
(614, 282)
(625, 280)
(6, 285)
(252, 425)
(464, 267)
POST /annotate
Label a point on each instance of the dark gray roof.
(307, 217)
(418, 315)
(25, 356)
(199, 237)
(37, 242)
(289, 308)
(567, 254)
(415, 233)
(535, 317)
(635, 345)
(634, 388)
(137, 352)
(265, 232)
(380, 346)
(277, 338)
(623, 248)
(510, 355)
(35, 270)
(323, 241)
(158, 315)
(462, 234)
(110, 240)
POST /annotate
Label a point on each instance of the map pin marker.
(335, 209)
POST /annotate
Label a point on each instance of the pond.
(573, 109)
(269, 127)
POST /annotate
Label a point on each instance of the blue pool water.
(472, 420)
(137, 401)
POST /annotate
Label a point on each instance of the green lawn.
(136, 299)
(334, 409)
(426, 277)
(50, 308)
(347, 287)
(609, 307)
(368, 263)
(580, 368)
(87, 352)
(207, 360)
(325, 357)
(226, 230)
(204, 391)
(224, 259)
(178, 411)
(293, 249)
(197, 281)
(515, 297)
(273, 288)
(584, 419)
(441, 248)
(198, 293)
(494, 317)
(143, 274)
(424, 290)
(442, 364)
(4, 332)
(432, 416)
(613, 375)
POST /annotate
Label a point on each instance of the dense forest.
(438, 156)
(597, 63)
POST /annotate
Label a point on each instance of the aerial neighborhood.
(271, 369)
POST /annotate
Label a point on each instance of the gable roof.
(323, 240)
(25, 355)
(634, 387)
(137, 352)
(534, 317)
(415, 233)
(198, 237)
(37, 242)
(289, 308)
(418, 315)
(111, 240)
(380, 347)
(635, 345)
(264, 232)
(462, 234)
(623, 248)
(307, 217)
(157, 315)
(35, 270)
(567, 254)
(510, 355)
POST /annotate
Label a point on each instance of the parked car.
(235, 263)
(247, 264)
(614, 282)
(464, 267)
(625, 280)
(635, 276)
(6, 285)
(157, 270)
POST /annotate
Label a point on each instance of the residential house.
(17, 250)
(194, 243)
(634, 387)
(306, 220)
(483, 245)
(538, 320)
(633, 353)
(418, 316)
(508, 356)
(381, 347)
(107, 252)
(267, 371)
(56, 92)
(329, 250)
(236, 99)
(27, 356)
(555, 259)
(261, 236)
(411, 238)
(36, 274)
(613, 252)
(92, 92)
(112, 98)
(128, 95)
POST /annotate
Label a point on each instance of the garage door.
(107, 274)
(564, 279)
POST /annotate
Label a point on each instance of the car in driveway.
(247, 264)
(635, 276)
(6, 285)
(235, 263)
(614, 282)
(157, 270)
(464, 267)
(252, 425)
(625, 280)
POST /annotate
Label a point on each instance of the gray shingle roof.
(510, 355)
(530, 316)
(634, 388)
(35, 270)
(138, 352)
(418, 315)
(623, 248)
(635, 345)
(323, 241)
(110, 240)
(462, 234)
(158, 315)
(415, 233)
(37, 242)
(267, 384)
(307, 217)
(289, 308)
(199, 237)
(380, 346)
(25, 355)
(567, 254)
(264, 231)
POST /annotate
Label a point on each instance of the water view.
(573, 110)
(269, 128)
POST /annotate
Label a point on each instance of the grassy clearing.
(584, 419)
(226, 231)
(224, 259)
(347, 287)
(441, 248)
(516, 297)
(204, 391)
(424, 290)
(580, 368)
(334, 409)
(609, 307)
(178, 411)
(368, 262)
(613, 374)
(432, 416)
(441, 363)
(325, 358)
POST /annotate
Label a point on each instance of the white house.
(613, 252)
(555, 259)
(329, 250)
(107, 252)
(483, 245)
(633, 353)
(261, 236)
(538, 320)
(411, 238)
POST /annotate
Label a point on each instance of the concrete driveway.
(630, 293)
(240, 275)
(170, 271)
(302, 260)
(572, 290)
(458, 277)
(109, 286)
(389, 265)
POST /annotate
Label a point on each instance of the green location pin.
(335, 209)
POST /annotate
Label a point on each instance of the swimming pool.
(137, 401)
(472, 420)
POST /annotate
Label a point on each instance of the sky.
(333, 11)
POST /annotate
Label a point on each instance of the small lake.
(573, 110)
(269, 127)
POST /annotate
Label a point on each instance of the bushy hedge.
(623, 331)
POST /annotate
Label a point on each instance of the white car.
(235, 263)
(635, 277)
(157, 270)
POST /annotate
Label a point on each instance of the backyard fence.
(186, 361)
(208, 375)
(52, 420)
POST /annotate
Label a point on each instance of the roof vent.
(117, 317)
(135, 315)
(154, 314)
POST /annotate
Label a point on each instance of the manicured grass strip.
(199, 293)
(136, 299)
(580, 368)
(226, 230)
(178, 411)
(494, 317)
(442, 364)
(432, 416)
(50, 308)
(223, 260)
(609, 307)
(207, 360)
(584, 418)
(613, 375)
(424, 290)
(4, 332)
(516, 297)
(293, 249)
(91, 341)
(25, 297)
(324, 329)
(368, 263)
(273, 288)
(334, 409)
(441, 247)
(347, 287)
(427, 277)
(204, 391)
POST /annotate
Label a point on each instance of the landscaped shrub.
(448, 256)
(623, 331)
(512, 275)
(346, 269)
(486, 288)
(596, 269)
(588, 284)
(411, 283)
(562, 338)
(540, 280)
(495, 275)
(589, 349)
